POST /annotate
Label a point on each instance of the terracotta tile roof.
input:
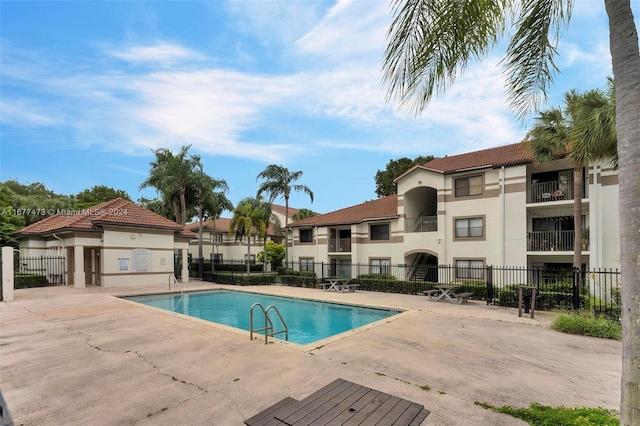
(381, 208)
(281, 209)
(507, 155)
(114, 212)
(221, 225)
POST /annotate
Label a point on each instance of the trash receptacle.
(526, 298)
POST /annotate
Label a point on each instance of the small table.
(339, 284)
(342, 402)
(448, 292)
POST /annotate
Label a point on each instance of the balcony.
(422, 224)
(552, 241)
(340, 245)
(544, 192)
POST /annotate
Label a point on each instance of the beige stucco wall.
(118, 256)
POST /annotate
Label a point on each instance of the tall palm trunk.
(176, 210)
(248, 253)
(286, 231)
(183, 207)
(623, 39)
(578, 193)
(200, 259)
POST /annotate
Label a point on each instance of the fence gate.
(39, 271)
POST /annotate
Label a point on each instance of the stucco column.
(78, 264)
(185, 265)
(7, 274)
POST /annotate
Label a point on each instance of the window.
(250, 259)
(379, 232)
(306, 263)
(379, 266)
(470, 269)
(472, 227)
(306, 235)
(217, 238)
(470, 185)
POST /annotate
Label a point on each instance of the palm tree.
(278, 182)
(203, 187)
(171, 175)
(213, 209)
(247, 218)
(595, 127)
(272, 220)
(303, 214)
(432, 41)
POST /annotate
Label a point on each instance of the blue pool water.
(308, 320)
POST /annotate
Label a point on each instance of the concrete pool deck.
(83, 357)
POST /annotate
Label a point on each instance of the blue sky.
(88, 89)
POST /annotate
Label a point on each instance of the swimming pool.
(308, 320)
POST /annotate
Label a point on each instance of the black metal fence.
(39, 271)
(571, 289)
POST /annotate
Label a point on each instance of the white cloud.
(350, 29)
(159, 53)
(24, 112)
(274, 21)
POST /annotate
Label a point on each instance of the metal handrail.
(268, 325)
(175, 281)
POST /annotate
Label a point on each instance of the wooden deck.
(342, 403)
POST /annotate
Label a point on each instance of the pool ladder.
(268, 325)
(175, 281)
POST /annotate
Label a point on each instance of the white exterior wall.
(230, 248)
(603, 220)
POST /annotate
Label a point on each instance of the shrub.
(239, 279)
(541, 415)
(29, 280)
(239, 267)
(588, 325)
(298, 278)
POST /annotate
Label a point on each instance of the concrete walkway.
(83, 357)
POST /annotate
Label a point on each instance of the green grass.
(540, 415)
(588, 325)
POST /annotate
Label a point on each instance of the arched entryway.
(424, 266)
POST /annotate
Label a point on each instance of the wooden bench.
(431, 293)
(463, 297)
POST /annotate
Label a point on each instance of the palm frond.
(529, 65)
(432, 41)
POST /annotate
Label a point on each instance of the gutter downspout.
(504, 213)
(64, 249)
(64, 246)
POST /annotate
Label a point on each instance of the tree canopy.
(385, 184)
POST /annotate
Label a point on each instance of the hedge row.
(298, 278)
(239, 279)
(29, 280)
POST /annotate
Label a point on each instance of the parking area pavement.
(84, 357)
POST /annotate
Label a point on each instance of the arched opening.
(424, 266)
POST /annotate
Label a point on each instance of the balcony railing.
(341, 245)
(552, 241)
(551, 191)
(422, 224)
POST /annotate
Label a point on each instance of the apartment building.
(490, 207)
(220, 245)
